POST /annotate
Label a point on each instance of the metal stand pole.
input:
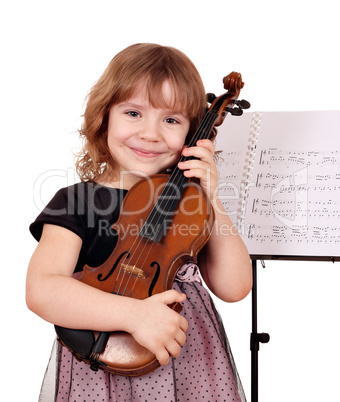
(255, 339)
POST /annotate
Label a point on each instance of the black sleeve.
(66, 209)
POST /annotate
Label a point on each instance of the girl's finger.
(198, 164)
(181, 338)
(171, 296)
(173, 349)
(202, 153)
(206, 144)
(198, 173)
(162, 356)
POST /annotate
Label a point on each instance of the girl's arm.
(224, 262)
(55, 296)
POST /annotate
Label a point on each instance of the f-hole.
(100, 276)
(155, 277)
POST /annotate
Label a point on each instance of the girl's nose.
(150, 131)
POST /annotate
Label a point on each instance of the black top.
(89, 210)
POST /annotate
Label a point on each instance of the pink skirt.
(204, 371)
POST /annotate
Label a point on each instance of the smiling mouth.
(145, 154)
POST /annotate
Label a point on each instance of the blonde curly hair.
(145, 63)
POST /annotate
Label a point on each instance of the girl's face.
(144, 140)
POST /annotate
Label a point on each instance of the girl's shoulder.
(78, 206)
(87, 192)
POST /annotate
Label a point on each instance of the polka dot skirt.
(204, 371)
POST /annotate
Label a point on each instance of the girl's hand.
(159, 328)
(203, 168)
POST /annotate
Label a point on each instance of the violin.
(146, 262)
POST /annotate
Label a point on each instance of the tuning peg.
(235, 111)
(210, 97)
(243, 104)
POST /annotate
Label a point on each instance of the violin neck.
(204, 129)
(177, 179)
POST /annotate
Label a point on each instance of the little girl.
(139, 117)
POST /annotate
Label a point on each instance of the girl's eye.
(171, 120)
(132, 113)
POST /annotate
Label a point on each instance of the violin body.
(139, 267)
(164, 222)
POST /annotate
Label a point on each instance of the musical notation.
(296, 194)
(274, 156)
(277, 234)
(285, 167)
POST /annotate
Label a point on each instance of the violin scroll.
(228, 103)
(233, 83)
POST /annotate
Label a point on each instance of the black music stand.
(255, 337)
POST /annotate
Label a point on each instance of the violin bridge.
(129, 269)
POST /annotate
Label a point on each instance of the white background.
(51, 54)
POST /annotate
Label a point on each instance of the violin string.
(207, 122)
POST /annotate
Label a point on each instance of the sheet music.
(293, 200)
